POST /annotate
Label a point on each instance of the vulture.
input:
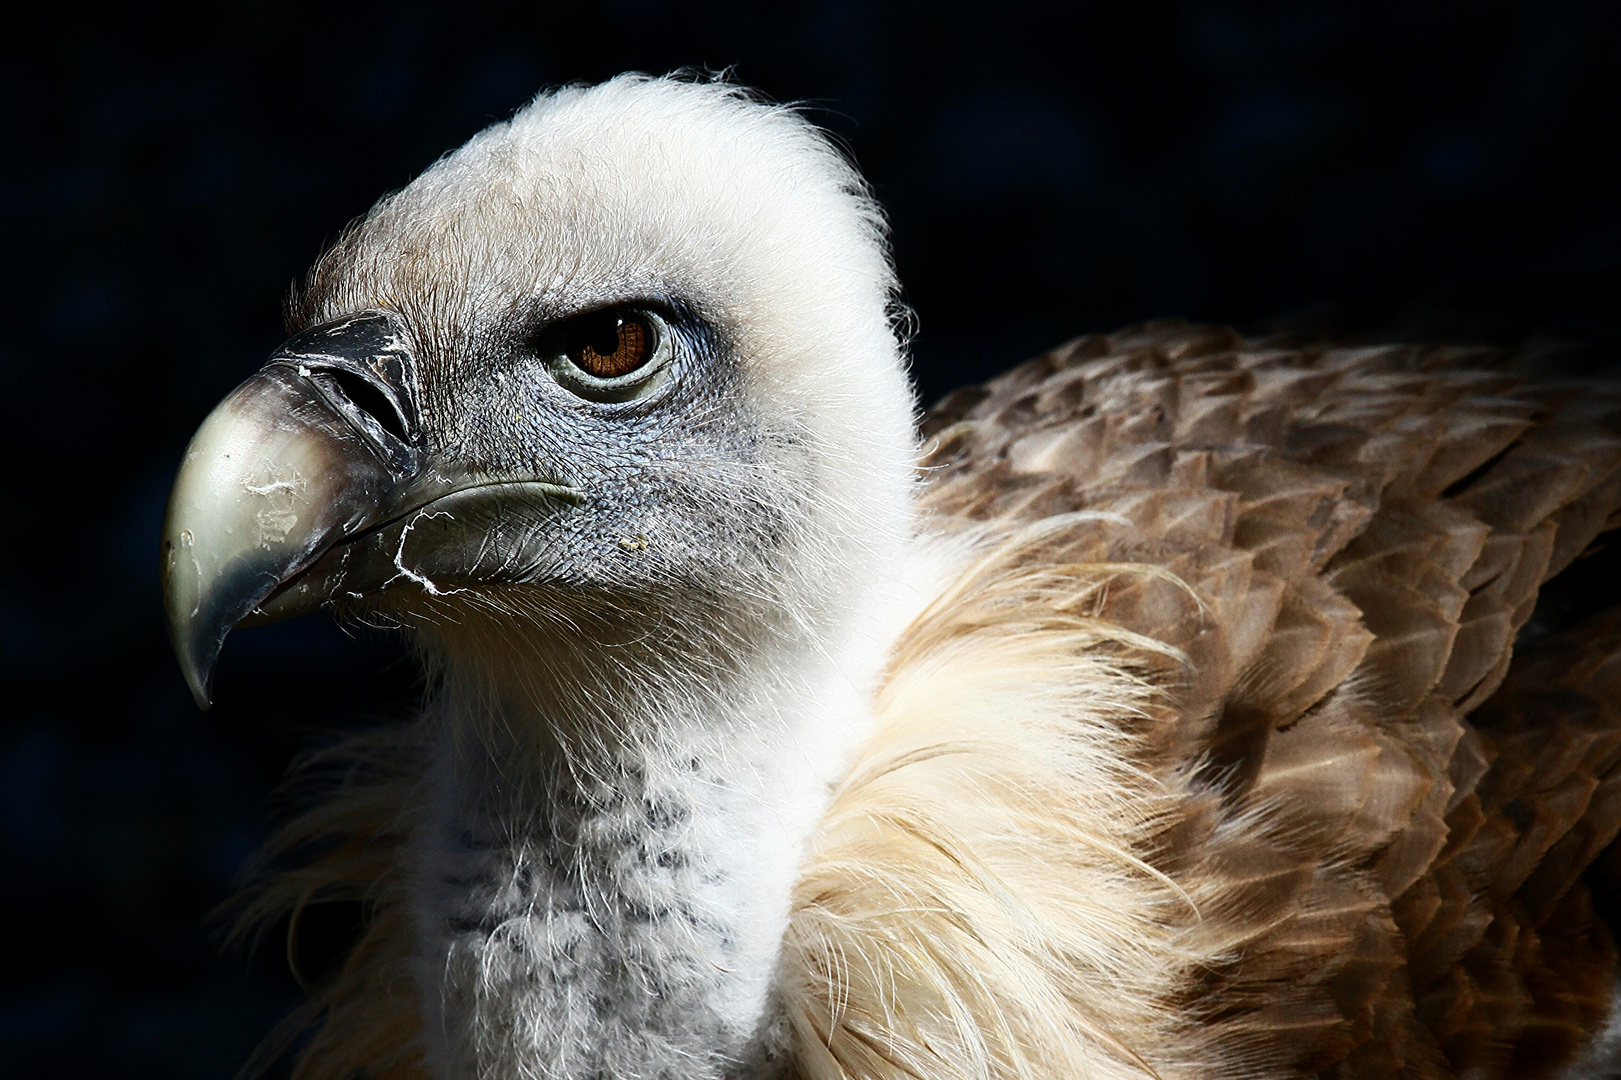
(1178, 704)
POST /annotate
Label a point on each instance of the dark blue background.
(169, 170)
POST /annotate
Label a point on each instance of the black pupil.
(600, 334)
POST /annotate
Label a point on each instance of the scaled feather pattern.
(1189, 735)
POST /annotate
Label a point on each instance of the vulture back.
(1395, 825)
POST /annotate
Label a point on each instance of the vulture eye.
(608, 344)
(610, 355)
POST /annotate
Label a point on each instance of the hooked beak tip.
(187, 633)
(199, 677)
(201, 613)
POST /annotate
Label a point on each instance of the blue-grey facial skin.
(496, 466)
(648, 474)
(651, 471)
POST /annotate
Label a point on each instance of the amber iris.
(609, 344)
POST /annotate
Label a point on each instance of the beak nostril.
(370, 400)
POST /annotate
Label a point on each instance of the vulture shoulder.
(1206, 752)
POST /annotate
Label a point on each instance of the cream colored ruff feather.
(1160, 718)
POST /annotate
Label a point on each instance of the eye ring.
(612, 354)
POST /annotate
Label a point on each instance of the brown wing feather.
(1362, 533)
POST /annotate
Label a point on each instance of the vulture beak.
(309, 485)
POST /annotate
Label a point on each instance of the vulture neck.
(614, 836)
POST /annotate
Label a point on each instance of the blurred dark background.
(170, 169)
